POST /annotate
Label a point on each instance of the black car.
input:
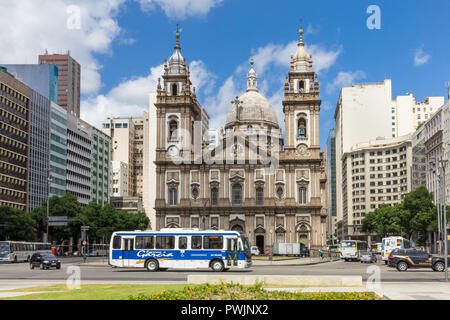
(402, 259)
(44, 261)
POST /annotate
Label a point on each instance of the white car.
(254, 250)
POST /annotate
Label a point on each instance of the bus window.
(182, 243)
(213, 242)
(165, 242)
(196, 242)
(144, 242)
(117, 242)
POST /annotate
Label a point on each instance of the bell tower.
(177, 108)
(301, 104)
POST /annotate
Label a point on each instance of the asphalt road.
(22, 271)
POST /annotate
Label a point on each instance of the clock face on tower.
(172, 151)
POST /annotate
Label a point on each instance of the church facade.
(252, 180)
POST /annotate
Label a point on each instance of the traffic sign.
(57, 223)
(84, 243)
(57, 219)
(271, 231)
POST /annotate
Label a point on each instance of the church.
(252, 180)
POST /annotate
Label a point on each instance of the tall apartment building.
(14, 141)
(122, 133)
(41, 78)
(58, 150)
(331, 181)
(69, 72)
(78, 159)
(119, 179)
(373, 173)
(408, 114)
(138, 157)
(419, 161)
(100, 166)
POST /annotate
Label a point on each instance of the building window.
(214, 196)
(195, 193)
(259, 196)
(173, 196)
(280, 192)
(302, 195)
(174, 89)
(237, 194)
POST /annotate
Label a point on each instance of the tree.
(418, 201)
(384, 221)
(21, 226)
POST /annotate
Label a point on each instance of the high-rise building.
(41, 78)
(100, 166)
(331, 181)
(119, 179)
(58, 150)
(373, 173)
(39, 156)
(408, 114)
(78, 159)
(122, 133)
(68, 80)
(419, 164)
(15, 101)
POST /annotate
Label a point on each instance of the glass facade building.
(58, 150)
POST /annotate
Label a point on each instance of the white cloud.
(180, 9)
(280, 56)
(29, 27)
(131, 97)
(420, 57)
(344, 79)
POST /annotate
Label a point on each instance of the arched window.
(174, 89)
(236, 193)
(195, 193)
(301, 128)
(259, 195)
(302, 195)
(173, 126)
(280, 192)
(173, 196)
(214, 196)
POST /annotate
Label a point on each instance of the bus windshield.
(4, 249)
(348, 244)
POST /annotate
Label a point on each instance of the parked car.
(368, 257)
(44, 261)
(402, 259)
(254, 251)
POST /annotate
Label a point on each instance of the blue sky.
(121, 45)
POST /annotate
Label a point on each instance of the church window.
(259, 196)
(195, 193)
(173, 196)
(280, 192)
(174, 89)
(236, 194)
(302, 86)
(214, 196)
(173, 126)
(301, 128)
(302, 195)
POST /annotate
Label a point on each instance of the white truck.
(290, 249)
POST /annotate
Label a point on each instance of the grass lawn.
(179, 292)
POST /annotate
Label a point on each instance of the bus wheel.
(217, 265)
(152, 265)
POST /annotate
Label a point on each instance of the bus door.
(232, 252)
(127, 254)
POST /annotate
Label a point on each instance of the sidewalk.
(415, 290)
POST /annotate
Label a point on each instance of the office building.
(58, 150)
(69, 72)
(100, 166)
(331, 181)
(15, 101)
(78, 179)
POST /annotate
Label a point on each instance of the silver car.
(368, 257)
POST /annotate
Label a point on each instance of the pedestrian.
(321, 253)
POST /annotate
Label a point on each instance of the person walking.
(321, 254)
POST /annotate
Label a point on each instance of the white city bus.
(390, 243)
(180, 249)
(15, 251)
(351, 250)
